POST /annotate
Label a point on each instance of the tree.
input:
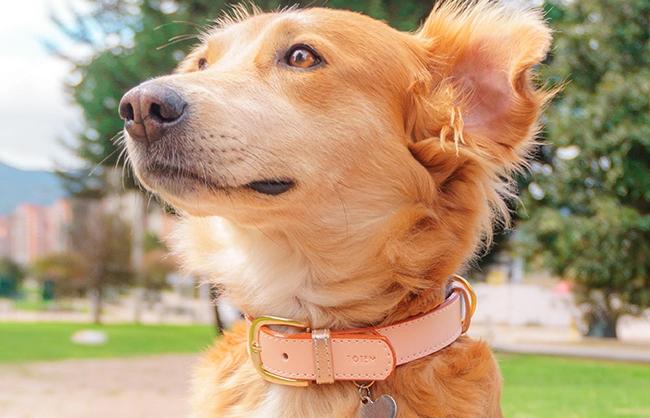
(11, 277)
(101, 242)
(99, 257)
(590, 196)
(158, 264)
(67, 271)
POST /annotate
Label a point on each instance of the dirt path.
(109, 388)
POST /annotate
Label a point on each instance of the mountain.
(37, 187)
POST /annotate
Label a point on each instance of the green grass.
(29, 305)
(51, 341)
(534, 386)
(553, 387)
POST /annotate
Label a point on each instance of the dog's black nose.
(150, 109)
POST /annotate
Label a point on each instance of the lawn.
(51, 341)
(534, 386)
(553, 387)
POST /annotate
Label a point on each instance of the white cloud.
(34, 113)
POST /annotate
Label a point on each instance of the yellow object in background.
(496, 277)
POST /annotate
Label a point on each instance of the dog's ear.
(477, 96)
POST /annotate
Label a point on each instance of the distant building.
(37, 231)
(33, 231)
(27, 227)
(156, 220)
(58, 218)
(5, 236)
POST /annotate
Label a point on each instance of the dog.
(333, 175)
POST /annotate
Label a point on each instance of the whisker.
(246, 151)
(256, 157)
(177, 22)
(150, 197)
(183, 37)
(185, 22)
(127, 162)
(343, 205)
(248, 163)
(268, 236)
(98, 165)
(205, 174)
(177, 39)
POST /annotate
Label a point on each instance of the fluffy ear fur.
(476, 106)
(480, 60)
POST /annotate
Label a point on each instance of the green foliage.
(590, 195)
(51, 341)
(10, 268)
(11, 276)
(68, 271)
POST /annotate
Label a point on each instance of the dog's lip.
(272, 187)
(165, 170)
(159, 173)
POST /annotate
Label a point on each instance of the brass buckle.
(469, 299)
(255, 348)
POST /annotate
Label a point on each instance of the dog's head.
(328, 120)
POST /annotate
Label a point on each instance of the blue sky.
(34, 113)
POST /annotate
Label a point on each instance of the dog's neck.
(330, 274)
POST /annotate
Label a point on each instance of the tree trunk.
(96, 298)
(603, 327)
(214, 295)
(137, 253)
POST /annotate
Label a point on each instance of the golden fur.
(399, 147)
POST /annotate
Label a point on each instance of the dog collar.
(366, 354)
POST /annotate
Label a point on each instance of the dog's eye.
(302, 57)
(202, 64)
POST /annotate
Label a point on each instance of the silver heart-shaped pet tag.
(383, 407)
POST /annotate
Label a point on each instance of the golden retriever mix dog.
(332, 175)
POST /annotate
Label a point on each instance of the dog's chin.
(175, 181)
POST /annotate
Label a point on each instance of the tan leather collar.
(366, 354)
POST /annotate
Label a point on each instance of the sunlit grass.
(534, 386)
(51, 341)
(554, 387)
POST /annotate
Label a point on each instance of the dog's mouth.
(173, 179)
(271, 187)
(163, 171)
(176, 179)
